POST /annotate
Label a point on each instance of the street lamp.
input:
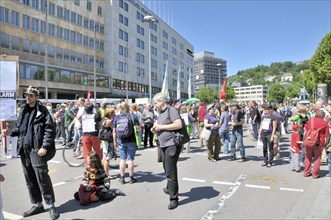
(150, 20)
(219, 75)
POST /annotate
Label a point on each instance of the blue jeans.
(224, 135)
(127, 151)
(302, 154)
(237, 135)
(77, 135)
(255, 128)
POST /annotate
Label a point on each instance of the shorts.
(105, 149)
(276, 138)
(127, 150)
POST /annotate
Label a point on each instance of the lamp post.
(219, 75)
(95, 67)
(46, 54)
(150, 20)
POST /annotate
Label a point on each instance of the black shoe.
(132, 180)
(54, 213)
(264, 164)
(119, 193)
(34, 211)
(166, 191)
(76, 196)
(231, 159)
(173, 204)
(122, 180)
(242, 160)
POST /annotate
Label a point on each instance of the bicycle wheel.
(69, 157)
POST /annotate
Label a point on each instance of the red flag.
(223, 91)
(88, 95)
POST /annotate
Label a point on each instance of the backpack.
(124, 126)
(311, 138)
(303, 122)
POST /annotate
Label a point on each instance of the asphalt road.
(208, 190)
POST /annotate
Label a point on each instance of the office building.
(247, 94)
(83, 38)
(208, 71)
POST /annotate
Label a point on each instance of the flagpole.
(189, 84)
(94, 68)
(178, 82)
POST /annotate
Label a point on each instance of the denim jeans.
(237, 135)
(225, 135)
(302, 154)
(329, 162)
(77, 135)
(255, 128)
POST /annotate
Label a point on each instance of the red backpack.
(311, 137)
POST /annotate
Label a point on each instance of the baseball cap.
(32, 91)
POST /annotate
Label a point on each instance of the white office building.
(247, 94)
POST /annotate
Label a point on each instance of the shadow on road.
(198, 193)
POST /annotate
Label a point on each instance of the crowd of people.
(218, 126)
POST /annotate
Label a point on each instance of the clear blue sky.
(249, 33)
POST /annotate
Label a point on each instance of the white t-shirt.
(80, 112)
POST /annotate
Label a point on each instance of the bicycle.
(73, 156)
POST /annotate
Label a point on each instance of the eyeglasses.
(29, 95)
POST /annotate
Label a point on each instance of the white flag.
(178, 83)
(165, 81)
(189, 84)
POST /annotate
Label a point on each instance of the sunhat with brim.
(32, 91)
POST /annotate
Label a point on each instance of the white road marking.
(224, 183)
(67, 181)
(55, 161)
(59, 184)
(226, 196)
(8, 215)
(291, 189)
(257, 186)
(194, 180)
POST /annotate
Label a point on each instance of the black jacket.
(44, 131)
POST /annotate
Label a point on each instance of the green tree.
(230, 94)
(319, 66)
(207, 94)
(276, 93)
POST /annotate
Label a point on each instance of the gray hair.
(161, 97)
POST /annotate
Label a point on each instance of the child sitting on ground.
(96, 184)
(295, 148)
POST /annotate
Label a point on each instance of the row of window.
(36, 72)
(27, 46)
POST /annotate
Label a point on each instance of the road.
(208, 190)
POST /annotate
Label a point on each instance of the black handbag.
(181, 136)
(106, 134)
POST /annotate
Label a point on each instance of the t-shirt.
(255, 111)
(267, 124)
(295, 147)
(225, 119)
(80, 112)
(202, 112)
(237, 116)
(212, 119)
(167, 116)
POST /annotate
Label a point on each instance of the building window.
(120, 66)
(15, 18)
(4, 13)
(26, 2)
(43, 5)
(51, 9)
(79, 19)
(59, 33)
(89, 5)
(51, 51)
(102, 45)
(99, 11)
(79, 57)
(66, 15)
(66, 34)
(51, 30)
(43, 27)
(26, 22)
(73, 17)
(15, 43)
(59, 12)
(35, 25)
(77, 2)
(4, 41)
(86, 41)
(59, 52)
(35, 4)
(66, 55)
(91, 42)
(73, 56)
(91, 24)
(73, 37)
(26, 46)
(79, 38)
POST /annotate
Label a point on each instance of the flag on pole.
(165, 81)
(189, 84)
(223, 91)
(178, 83)
(88, 95)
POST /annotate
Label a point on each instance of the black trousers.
(170, 157)
(148, 134)
(37, 180)
(268, 147)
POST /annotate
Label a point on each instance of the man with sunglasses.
(36, 133)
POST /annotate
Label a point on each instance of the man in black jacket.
(36, 133)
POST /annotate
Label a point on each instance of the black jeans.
(267, 146)
(170, 157)
(37, 180)
(148, 134)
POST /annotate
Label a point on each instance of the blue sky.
(249, 33)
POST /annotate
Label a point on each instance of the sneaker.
(264, 164)
(54, 213)
(173, 204)
(231, 159)
(132, 180)
(242, 160)
(269, 165)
